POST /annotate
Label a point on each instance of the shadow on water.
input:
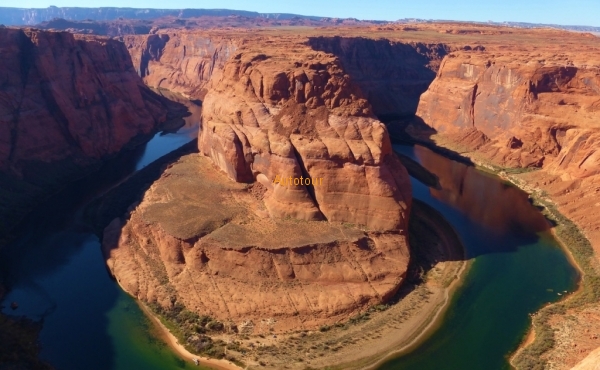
(56, 273)
(500, 215)
(391, 75)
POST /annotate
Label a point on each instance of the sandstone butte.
(278, 100)
(283, 110)
(66, 102)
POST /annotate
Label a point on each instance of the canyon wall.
(66, 102)
(526, 110)
(518, 111)
(391, 74)
(179, 61)
(272, 108)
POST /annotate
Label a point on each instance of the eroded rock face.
(391, 74)
(178, 61)
(217, 234)
(200, 239)
(65, 103)
(519, 109)
(531, 113)
(298, 114)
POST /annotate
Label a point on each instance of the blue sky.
(577, 12)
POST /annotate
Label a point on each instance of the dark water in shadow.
(56, 273)
(517, 267)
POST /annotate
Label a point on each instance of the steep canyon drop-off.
(283, 110)
(66, 103)
(296, 106)
(514, 98)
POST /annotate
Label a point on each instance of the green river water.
(57, 274)
(517, 267)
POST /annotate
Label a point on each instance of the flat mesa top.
(193, 199)
(522, 45)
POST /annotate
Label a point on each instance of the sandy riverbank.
(373, 336)
(416, 311)
(170, 339)
(572, 325)
(431, 319)
(409, 342)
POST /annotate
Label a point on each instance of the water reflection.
(495, 204)
(516, 268)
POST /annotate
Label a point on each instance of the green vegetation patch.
(192, 331)
(581, 250)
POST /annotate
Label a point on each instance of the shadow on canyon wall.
(392, 75)
(40, 181)
(50, 235)
(41, 246)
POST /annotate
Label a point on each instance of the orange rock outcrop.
(284, 111)
(202, 240)
(298, 114)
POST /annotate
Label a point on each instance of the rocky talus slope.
(291, 256)
(66, 102)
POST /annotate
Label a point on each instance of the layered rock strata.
(391, 74)
(297, 113)
(202, 240)
(521, 111)
(179, 61)
(302, 255)
(66, 102)
(525, 112)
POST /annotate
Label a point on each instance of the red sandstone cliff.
(275, 106)
(178, 61)
(519, 109)
(391, 74)
(65, 102)
(303, 255)
(297, 113)
(527, 113)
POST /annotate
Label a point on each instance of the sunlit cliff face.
(497, 205)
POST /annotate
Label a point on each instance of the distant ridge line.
(33, 16)
(11, 16)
